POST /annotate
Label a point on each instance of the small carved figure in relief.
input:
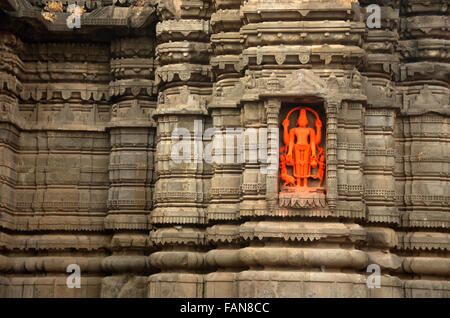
(356, 79)
(114, 111)
(321, 171)
(389, 90)
(288, 180)
(161, 98)
(249, 81)
(301, 150)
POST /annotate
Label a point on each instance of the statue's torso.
(302, 135)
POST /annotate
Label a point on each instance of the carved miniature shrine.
(304, 157)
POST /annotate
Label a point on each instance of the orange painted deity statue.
(301, 151)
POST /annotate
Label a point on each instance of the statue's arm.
(291, 142)
(286, 135)
(285, 131)
(319, 131)
(312, 137)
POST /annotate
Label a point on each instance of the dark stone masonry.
(87, 170)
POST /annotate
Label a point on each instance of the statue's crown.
(302, 119)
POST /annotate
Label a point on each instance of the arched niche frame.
(305, 85)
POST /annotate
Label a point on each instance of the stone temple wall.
(87, 175)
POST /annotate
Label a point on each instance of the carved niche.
(302, 159)
(320, 99)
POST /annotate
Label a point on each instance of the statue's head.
(302, 119)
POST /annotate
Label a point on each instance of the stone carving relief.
(303, 156)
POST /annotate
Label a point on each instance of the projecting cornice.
(96, 15)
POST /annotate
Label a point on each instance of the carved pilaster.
(272, 112)
(10, 88)
(331, 108)
(182, 188)
(131, 166)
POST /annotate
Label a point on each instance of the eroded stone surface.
(87, 177)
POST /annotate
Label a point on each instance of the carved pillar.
(223, 209)
(224, 107)
(380, 194)
(422, 143)
(253, 181)
(331, 108)
(381, 64)
(423, 88)
(183, 178)
(350, 155)
(131, 165)
(272, 112)
(10, 88)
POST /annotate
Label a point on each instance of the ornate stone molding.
(301, 231)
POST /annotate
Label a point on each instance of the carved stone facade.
(87, 174)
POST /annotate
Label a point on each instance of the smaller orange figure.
(321, 171)
(288, 180)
